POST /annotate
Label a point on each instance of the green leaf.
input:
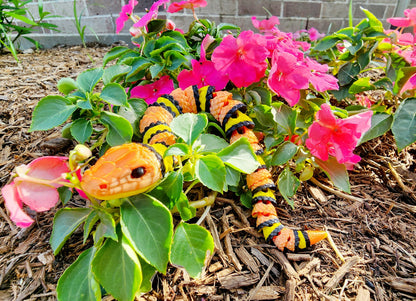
(81, 130)
(284, 153)
(115, 53)
(210, 143)
(65, 194)
(65, 222)
(326, 43)
(177, 149)
(18, 17)
(78, 282)
(155, 69)
(288, 184)
(336, 172)
(67, 85)
(361, 85)
(87, 80)
(264, 115)
(155, 26)
(147, 274)
(113, 73)
(185, 210)
(84, 104)
(210, 171)
(380, 124)
(133, 112)
(120, 130)
(232, 177)
(240, 156)
(227, 26)
(169, 190)
(246, 199)
(285, 117)
(51, 111)
(189, 126)
(106, 227)
(404, 124)
(138, 66)
(373, 21)
(147, 224)
(90, 221)
(114, 94)
(347, 73)
(403, 75)
(117, 268)
(174, 59)
(265, 95)
(191, 244)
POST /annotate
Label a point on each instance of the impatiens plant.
(306, 101)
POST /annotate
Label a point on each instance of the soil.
(374, 227)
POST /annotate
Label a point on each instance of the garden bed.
(374, 228)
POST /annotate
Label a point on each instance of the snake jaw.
(123, 171)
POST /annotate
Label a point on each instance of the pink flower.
(152, 14)
(314, 34)
(329, 136)
(267, 25)
(203, 72)
(242, 59)
(35, 186)
(151, 92)
(319, 78)
(126, 12)
(410, 19)
(287, 76)
(190, 4)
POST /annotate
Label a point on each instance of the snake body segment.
(133, 168)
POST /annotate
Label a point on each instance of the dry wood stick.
(217, 242)
(260, 284)
(344, 269)
(290, 289)
(287, 267)
(228, 246)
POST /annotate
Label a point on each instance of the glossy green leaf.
(66, 85)
(361, 85)
(114, 72)
(120, 130)
(404, 124)
(189, 126)
(403, 75)
(232, 177)
(81, 130)
(65, 222)
(347, 73)
(106, 228)
(210, 171)
(240, 156)
(336, 172)
(380, 124)
(326, 43)
(210, 143)
(285, 116)
(185, 210)
(78, 282)
(114, 53)
(90, 221)
(264, 115)
(288, 184)
(169, 190)
(87, 80)
(117, 268)
(114, 94)
(191, 244)
(65, 194)
(51, 111)
(177, 149)
(284, 153)
(148, 272)
(147, 224)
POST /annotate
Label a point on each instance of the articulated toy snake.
(133, 168)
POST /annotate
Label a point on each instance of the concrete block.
(255, 8)
(332, 10)
(103, 7)
(216, 7)
(301, 9)
(327, 25)
(100, 24)
(244, 22)
(66, 8)
(292, 24)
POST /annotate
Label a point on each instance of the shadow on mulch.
(374, 228)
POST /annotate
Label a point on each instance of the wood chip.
(247, 259)
(238, 280)
(344, 269)
(363, 295)
(272, 292)
(287, 267)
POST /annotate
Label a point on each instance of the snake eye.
(138, 172)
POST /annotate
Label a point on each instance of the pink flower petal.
(38, 197)
(14, 206)
(48, 168)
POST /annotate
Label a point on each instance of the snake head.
(123, 171)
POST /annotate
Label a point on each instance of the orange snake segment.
(123, 171)
(155, 114)
(186, 99)
(245, 132)
(258, 179)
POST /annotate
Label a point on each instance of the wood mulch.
(374, 228)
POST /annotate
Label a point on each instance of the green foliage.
(13, 11)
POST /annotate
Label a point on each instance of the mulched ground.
(374, 228)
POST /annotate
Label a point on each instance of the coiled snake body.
(133, 168)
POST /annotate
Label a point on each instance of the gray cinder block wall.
(99, 16)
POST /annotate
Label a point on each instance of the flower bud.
(306, 174)
(81, 153)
